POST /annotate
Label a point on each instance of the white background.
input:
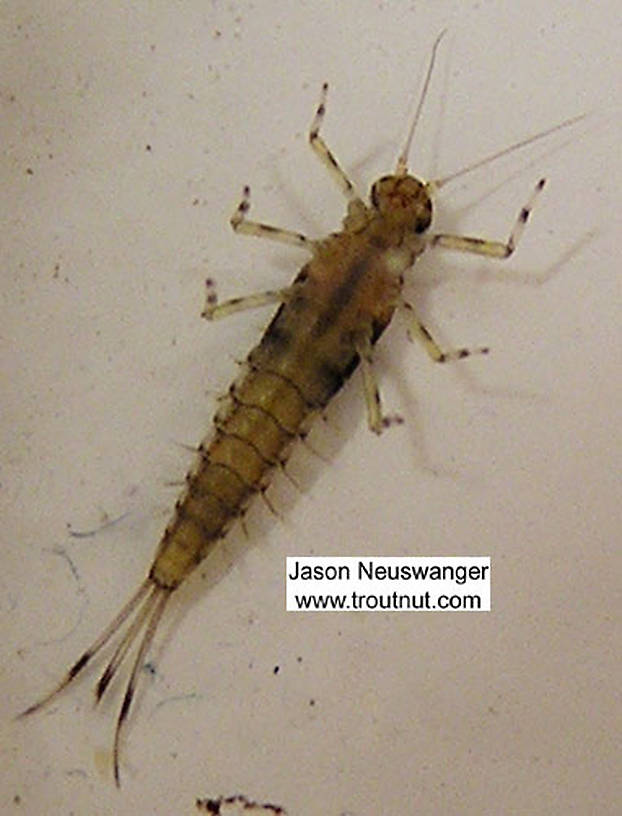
(107, 370)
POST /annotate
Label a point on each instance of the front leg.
(321, 149)
(491, 249)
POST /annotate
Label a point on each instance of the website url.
(393, 601)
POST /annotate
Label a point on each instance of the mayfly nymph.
(325, 328)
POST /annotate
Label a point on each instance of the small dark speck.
(17, 799)
(30, 171)
(312, 702)
(195, 202)
(210, 805)
(148, 148)
(299, 659)
(275, 670)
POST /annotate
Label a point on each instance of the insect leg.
(326, 157)
(214, 310)
(492, 249)
(255, 228)
(418, 331)
(376, 421)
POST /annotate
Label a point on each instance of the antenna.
(401, 168)
(438, 183)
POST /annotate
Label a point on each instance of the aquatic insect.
(326, 326)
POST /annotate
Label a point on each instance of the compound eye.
(424, 216)
(376, 191)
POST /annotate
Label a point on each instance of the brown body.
(346, 294)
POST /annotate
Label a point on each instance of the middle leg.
(213, 310)
(240, 225)
(419, 332)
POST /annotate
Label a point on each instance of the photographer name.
(455, 569)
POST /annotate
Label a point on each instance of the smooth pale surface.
(127, 135)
